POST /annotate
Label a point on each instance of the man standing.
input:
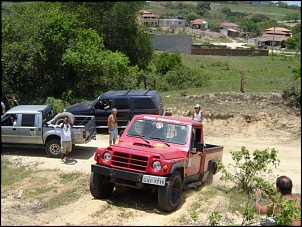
(66, 143)
(112, 127)
(198, 113)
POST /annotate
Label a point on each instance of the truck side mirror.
(199, 147)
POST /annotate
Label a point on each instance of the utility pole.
(273, 44)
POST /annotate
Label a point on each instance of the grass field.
(261, 73)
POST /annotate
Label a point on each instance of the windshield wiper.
(160, 140)
(144, 139)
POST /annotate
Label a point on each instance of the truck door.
(194, 157)
(9, 133)
(28, 129)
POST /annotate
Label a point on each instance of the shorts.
(66, 146)
(113, 133)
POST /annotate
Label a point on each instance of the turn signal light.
(165, 167)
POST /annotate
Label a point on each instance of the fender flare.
(212, 166)
(175, 167)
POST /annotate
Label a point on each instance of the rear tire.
(100, 186)
(169, 195)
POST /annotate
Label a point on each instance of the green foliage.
(215, 218)
(248, 213)
(291, 43)
(289, 211)
(292, 96)
(194, 216)
(58, 106)
(167, 61)
(247, 167)
(246, 179)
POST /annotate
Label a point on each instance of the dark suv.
(127, 102)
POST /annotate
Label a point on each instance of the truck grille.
(129, 161)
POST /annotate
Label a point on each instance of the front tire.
(100, 186)
(169, 195)
(53, 148)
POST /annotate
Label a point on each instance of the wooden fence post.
(242, 82)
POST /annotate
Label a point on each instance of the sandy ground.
(270, 131)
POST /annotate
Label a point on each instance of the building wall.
(171, 22)
(173, 43)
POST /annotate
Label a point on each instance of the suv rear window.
(143, 103)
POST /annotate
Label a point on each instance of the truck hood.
(152, 149)
(79, 107)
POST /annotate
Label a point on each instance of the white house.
(178, 23)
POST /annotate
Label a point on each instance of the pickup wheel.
(60, 117)
(100, 186)
(169, 195)
(53, 148)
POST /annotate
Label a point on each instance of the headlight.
(107, 156)
(156, 165)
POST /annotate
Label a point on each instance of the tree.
(202, 7)
(117, 24)
(167, 61)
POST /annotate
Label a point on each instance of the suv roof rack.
(127, 92)
(147, 91)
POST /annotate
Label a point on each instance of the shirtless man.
(284, 187)
(112, 126)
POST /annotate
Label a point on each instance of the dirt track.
(264, 130)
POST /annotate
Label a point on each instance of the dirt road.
(279, 131)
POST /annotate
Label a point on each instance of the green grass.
(261, 74)
(11, 174)
(273, 13)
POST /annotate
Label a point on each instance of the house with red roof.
(229, 29)
(199, 24)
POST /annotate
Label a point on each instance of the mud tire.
(169, 195)
(100, 186)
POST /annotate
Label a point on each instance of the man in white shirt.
(66, 142)
(198, 114)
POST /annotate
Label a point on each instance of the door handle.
(14, 129)
(31, 129)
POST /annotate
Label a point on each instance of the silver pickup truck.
(38, 125)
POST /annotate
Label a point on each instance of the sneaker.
(62, 161)
(66, 159)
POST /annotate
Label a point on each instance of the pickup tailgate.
(83, 129)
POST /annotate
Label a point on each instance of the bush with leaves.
(246, 179)
(247, 167)
(167, 61)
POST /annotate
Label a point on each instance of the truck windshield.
(157, 130)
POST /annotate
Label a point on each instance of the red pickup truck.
(161, 153)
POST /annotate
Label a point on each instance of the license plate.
(147, 179)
